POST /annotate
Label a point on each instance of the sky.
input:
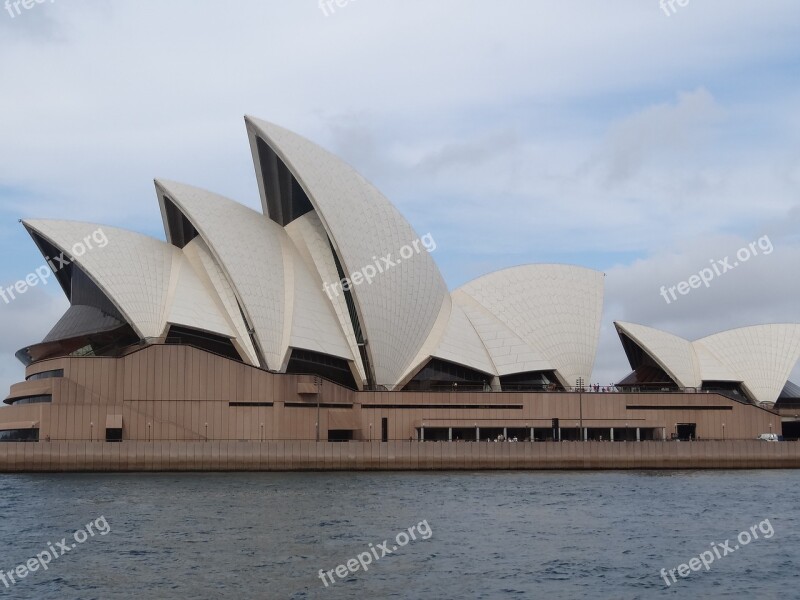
(621, 136)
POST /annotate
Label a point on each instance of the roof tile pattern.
(673, 354)
(283, 301)
(554, 309)
(243, 270)
(399, 308)
(311, 241)
(206, 266)
(192, 302)
(761, 357)
(132, 269)
(248, 248)
(153, 284)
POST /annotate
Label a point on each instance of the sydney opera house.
(323, 317)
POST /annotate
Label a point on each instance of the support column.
(612, 434)
(421, 434)
(450, 434)
(531, 433)
(505, 433)
(477, 434)
(638, 435)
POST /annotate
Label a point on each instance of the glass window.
(444, 376)
(20, 435)
(46, 375)
(43, 399)
(308, 362)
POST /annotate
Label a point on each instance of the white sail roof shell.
(283, 301)
(206, 266)
(554, 311)
(760, 357)
(522, 319)
(191, 301)
(246, 277)
(399, 308)
(151, 283)
(672, 353)
(311, 241)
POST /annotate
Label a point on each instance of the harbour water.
(489, 535)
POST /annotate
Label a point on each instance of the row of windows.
(20, 435)
(43, 399)
(443, 375)
(46, 375)
(446, 406)
(331, 367)
(204, 340)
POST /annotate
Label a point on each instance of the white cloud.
(764, 289)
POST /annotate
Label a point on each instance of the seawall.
(391, 456)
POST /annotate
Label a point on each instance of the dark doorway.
(340, 435)
(464, 434)
(435, 434)
(491, 433)
(384, 429)
(522, 435)
(791, 430)
(600, 434)
(571, 434)
(687, 431)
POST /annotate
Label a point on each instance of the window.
(181, 230)
(340, 435)
(20, 435)
(217, 344)
(730, 389)
(308, 362)
(286, 199)
(530, 381)
(46, 375)
(443, 376)
(43, 399)
(114, 434)
(686, 431)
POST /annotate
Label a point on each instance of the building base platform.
(300, 455)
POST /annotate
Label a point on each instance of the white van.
(768, 437)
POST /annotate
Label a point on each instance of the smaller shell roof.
(555, 310)
(150, 282)
(760, 357)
